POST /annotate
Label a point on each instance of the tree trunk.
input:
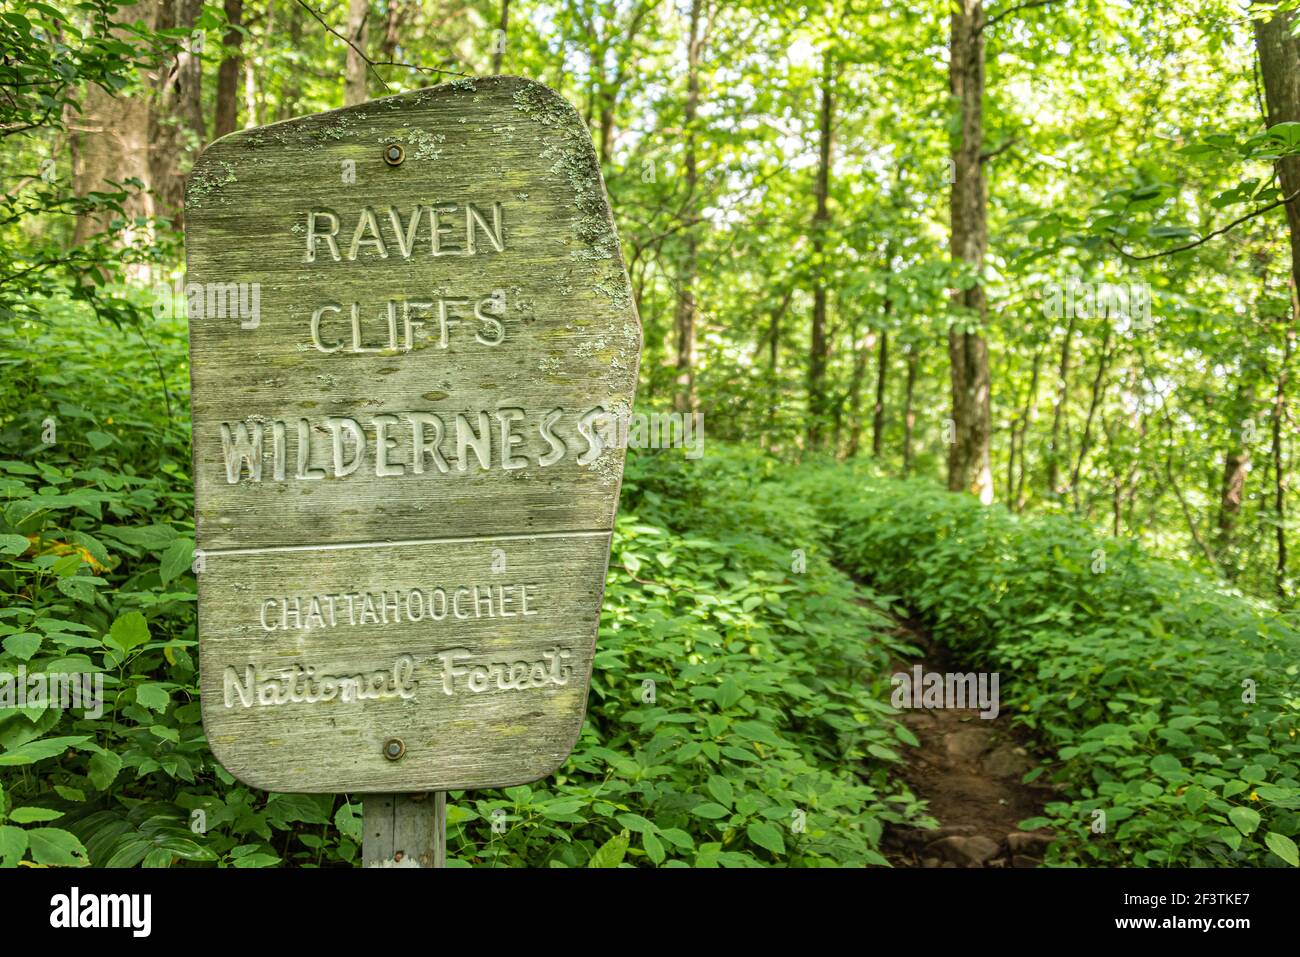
(1279, 68)
(176, 125)
(969, 458)
(684, 398)
(773, 354)
(861, 346)
(354, 76)
(392, 29)
(109, 140)
(817, 358)
(1098, 388)
(882, 378)
(1232, 486)
(909, 413)
(499, 47)
(226, 114)
(1027, 420)
(1279, 465)
(1058, 409)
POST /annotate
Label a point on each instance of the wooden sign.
(411, 336)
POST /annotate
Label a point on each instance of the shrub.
(1169, 705)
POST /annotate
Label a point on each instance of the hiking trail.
(969, 770)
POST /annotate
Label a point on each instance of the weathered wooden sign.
(411, 333)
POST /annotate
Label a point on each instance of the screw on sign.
(446, 345)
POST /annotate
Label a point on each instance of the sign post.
(413, 355)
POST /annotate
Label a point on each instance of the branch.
(373, 64)
(985, 157)
(1016, 9)
(1210, 235)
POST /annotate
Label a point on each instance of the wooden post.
(404, 830)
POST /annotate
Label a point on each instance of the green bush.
(1137, 674)
(766, 741)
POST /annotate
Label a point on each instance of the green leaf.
(1283, 847)
(34, 751)
(729, 694)
(654, 848)
(13, 845)
(31, 815)
(103, 769)
(284, 810)
(677, 837)
(885, 754)
(1166, 765)
(177, 559)
(1034, 823)
(1287, 133)
(79, 587)
(23, 645)
(56, 847)
(1244, 819)
(757, 731)
(348, 821)
(766, 836)
(610, 854)
(13, 544)
(636, 823)
(152, 696)
(710, 811)
(720, 788)
(129, 631)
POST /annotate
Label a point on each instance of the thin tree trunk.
(1058, 408)
(1098, 387)
(969, 455)
(176, 123)
(1236, 466)
(250, 94)
(1279, 67)
(861, 347)
(499, 48)
(354, 76)
(1171, 475)
(1279, 417)
(392, 29)
(773, 355)
(818, 354)
(882, 373)
(1027, 421)
(226, 113)
(684, 398)
(909, 412)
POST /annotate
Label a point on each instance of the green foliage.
(765, 740)
(768, 706)
(48, 61)
(1167, 704)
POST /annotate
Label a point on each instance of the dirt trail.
(969, 770)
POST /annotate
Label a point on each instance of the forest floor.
(969, 769)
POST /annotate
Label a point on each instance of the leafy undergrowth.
(1170, 707)
(736, 716)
